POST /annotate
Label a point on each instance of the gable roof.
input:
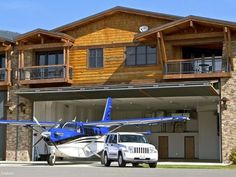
(7, 36)
(113, 11)
(45, 32)
(184, 20)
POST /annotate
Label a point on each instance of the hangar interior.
(195, 139)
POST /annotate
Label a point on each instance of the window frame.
(88, 58)
(146, 56)
(3, 58)
(47, 53)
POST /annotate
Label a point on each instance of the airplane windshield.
(132, 139)
(71, 126)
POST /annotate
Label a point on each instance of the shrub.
(233, 156)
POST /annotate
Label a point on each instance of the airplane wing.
(27, 123)
(137, 121)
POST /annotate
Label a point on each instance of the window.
(141, 55)
(114, 139)
(107, 138)
(70, 126)
(49, 58)
(2, 61)
(95, 58)
(132, 139)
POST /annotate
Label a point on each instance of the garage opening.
(202, 128)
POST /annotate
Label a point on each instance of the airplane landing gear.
(51, 160)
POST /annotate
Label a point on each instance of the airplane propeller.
(45, 132)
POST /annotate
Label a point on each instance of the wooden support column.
(159, 49)
(64, 55)
(19, 66)
(22, 59)
(9, 72)
(163, 47)
(67, 63)
(228, 50)
(7, 66)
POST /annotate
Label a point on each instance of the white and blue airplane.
(83, 139)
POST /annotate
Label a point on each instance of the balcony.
(207, 67)
(46, 74)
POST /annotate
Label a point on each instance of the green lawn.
(231, 167)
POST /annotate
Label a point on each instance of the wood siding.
(112, 33)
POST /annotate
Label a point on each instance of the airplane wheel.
(107, 162)
(121, 161)
(51, 160)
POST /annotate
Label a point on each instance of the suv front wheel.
(152, 165)
(106, 160)
(121, 161)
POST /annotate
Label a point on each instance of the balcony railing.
(50, 73)
(197, 66)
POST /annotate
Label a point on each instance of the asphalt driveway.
(96, 170)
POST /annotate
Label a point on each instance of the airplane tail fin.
(107, 111)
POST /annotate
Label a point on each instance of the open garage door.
(201, 110)
(121, 91)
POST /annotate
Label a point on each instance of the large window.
(2, 61)
(95, 58)
(49, 58)
(141, 55)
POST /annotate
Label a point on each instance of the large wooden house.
(152, 64)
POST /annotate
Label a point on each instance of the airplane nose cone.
(46, 134)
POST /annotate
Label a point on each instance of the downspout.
(17, 112)
(220, 124)
(17, 128)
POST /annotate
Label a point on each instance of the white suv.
(128, 148)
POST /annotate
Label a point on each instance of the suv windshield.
(132, 139)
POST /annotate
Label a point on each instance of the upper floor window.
(2, 61)
(95, 58)
(49, 58)
(141, 55)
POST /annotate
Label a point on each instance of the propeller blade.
(37, 141)
(37, 122)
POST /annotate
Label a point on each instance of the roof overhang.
(6, 41)
(120, 91)
(46, 33)
(188, 19)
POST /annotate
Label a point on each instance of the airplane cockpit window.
(69, 126)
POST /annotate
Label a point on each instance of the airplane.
(83, 139)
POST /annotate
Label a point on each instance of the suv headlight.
(131, 149)
(152, 150)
